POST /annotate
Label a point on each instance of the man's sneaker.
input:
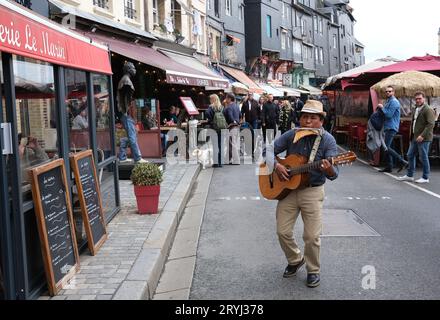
(389, 170)
(405, 178)
(313, 280)
(142, 161)
(422, 180)
(125, 161)
(292, 269)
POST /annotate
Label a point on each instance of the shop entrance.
(10, 210)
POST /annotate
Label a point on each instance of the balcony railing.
(130, 12)
(101, 3)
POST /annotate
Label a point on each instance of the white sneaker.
(406, 178)
(422, 180)
(142, 161)
(125, 161)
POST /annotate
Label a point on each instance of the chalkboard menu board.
(55, 223)
(83, 166)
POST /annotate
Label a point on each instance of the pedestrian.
(270, 117)
(287, 117)
(232, 115)
(215, 117)
(297, 106)
(422, 132)
(376, 136)
(81, 122)
(309, 200)
(127, 108)
(391, 110)
(250, 111)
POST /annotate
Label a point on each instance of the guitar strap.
(315, 148)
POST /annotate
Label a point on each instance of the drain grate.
(342, 223)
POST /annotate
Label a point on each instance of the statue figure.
(127, 107)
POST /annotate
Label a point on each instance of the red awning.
(24, 33)
(417, 65)
(176, 72)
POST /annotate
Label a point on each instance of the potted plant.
(146, 178)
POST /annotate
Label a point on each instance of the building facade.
(226, 33)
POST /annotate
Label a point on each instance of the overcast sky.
(398, 28)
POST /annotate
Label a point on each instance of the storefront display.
(55, 99)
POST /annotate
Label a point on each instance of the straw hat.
(313, 106)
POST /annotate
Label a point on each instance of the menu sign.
(189, 106)
(55, 223)
(89, 195)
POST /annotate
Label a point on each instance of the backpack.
(219, 120)
(377, 120)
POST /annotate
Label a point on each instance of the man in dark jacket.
(250, 111)
(270, 117)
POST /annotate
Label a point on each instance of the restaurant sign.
(22, 35)
(194, 81)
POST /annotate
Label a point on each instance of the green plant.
(146, 174)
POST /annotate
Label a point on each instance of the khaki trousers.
(309, 202)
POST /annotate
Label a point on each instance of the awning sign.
(22, 35)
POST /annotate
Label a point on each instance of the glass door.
(7, 285)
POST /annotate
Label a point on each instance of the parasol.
(407, 83)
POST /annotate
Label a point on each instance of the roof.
(427, 63)
(64, 8)
(361, 69)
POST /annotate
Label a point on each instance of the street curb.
(145, 273)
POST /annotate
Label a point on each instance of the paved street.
(370, 219)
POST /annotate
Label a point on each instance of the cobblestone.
(101, 275)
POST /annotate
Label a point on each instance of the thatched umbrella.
(407, 83)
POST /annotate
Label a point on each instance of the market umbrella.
(407, 83)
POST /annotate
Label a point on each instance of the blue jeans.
(255, 124)
(130, 128)
(391, 153)
(422, 149)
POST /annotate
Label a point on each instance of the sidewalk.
(129, 264)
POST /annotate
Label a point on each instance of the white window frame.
(155, 11)
(320, 25)
(283, 39)
(321, 55)
(316, 55)
(228, 7)
(335, 42)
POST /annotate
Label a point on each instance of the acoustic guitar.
(271, 186)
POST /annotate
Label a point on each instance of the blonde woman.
(216, 121)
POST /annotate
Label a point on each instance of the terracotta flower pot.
(147, 198)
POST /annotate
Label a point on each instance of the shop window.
(103, 116)
(77, 110)
(35, 112)
(106, 177)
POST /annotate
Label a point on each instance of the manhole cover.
(341, 223)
